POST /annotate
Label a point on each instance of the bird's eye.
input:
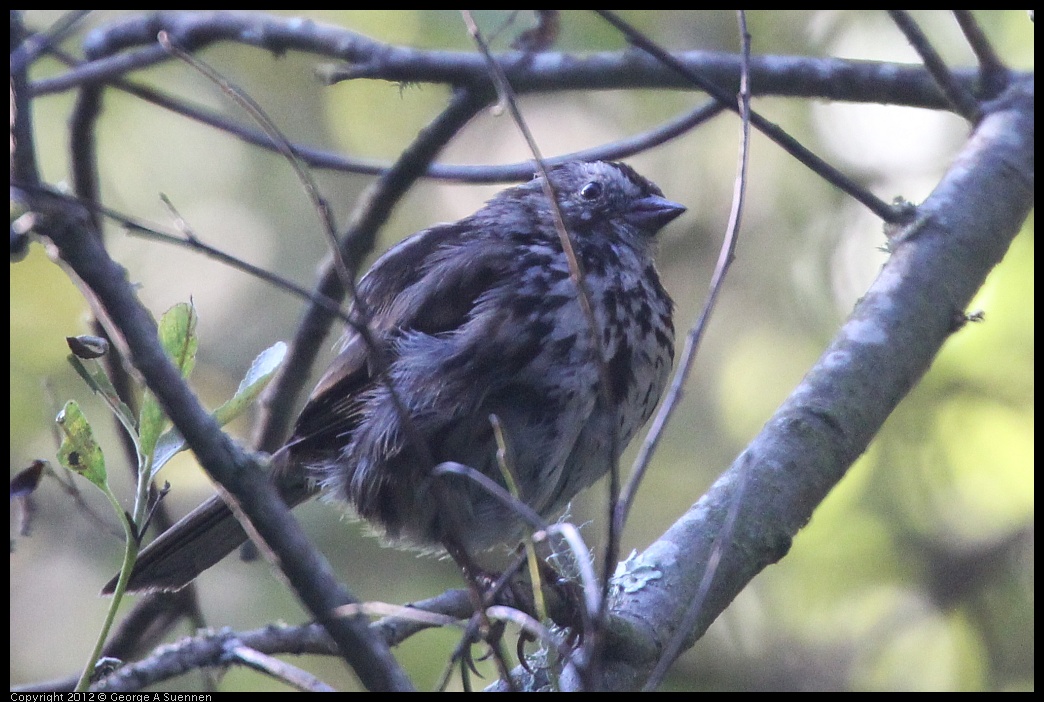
(591, 191)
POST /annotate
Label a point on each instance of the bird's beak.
(654, 212)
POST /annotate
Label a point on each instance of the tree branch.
(938, 263)
(308, 572)
(788, 76)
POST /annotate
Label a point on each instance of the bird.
(459, 327)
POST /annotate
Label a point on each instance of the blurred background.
(917, 571)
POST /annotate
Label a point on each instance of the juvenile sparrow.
(476, 318)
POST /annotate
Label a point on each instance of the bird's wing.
(420, 285)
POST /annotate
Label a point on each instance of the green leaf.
(257, 377)
(94, 375)
(79, 451)
(261, 372)
(177, 334)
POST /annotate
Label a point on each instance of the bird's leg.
(484, 589)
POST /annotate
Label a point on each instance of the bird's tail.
(203, 537)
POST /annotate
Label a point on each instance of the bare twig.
(993, 72)
(192, 241)
(529, 625)
(688, 356)
(280, 670)
(962, 100)
(241, 98)
(24, 53)
(23, 149)
(695, 335)
(576, 273)
(791, 145)
(370, 214)
(494, 489)
(581, 556)
(488, 173)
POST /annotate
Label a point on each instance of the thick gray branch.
(796, 76)
(938, 263)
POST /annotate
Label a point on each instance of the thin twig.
(992, 71)
(372, 211)
(137, 227)
(695, 335)
(494, 489)
(101, 70)
(486, 173)
(192, 241)
(278, 669)
(576, 273)
(259, 115)
(41, 42)
(961, 99)
(530, 625)
(791, 145)
(575, 268)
